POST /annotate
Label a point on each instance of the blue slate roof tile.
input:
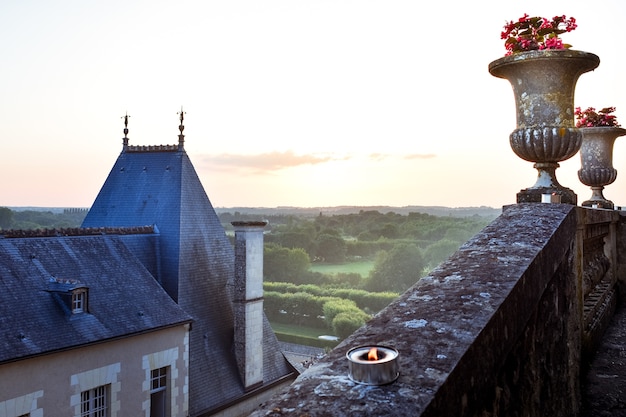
(34, 272)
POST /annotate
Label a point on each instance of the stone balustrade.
(499, 329)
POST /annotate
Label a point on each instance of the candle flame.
(372, 355)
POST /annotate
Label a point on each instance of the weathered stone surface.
(493, 331)
(604, 386)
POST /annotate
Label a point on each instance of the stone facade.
(122, 366)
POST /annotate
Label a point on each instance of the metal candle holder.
(373, 371)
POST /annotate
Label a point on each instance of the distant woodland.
(28, 219)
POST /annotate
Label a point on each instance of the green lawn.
(297, 330)
(302, 335)
(361, 267)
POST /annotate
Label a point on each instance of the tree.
(6, 217)
(294, 240)
(331, 248)
(397, 269)
(458, 234)
(387, 230)
(440, 251)
(284, 264)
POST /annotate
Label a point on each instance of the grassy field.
(361, 267)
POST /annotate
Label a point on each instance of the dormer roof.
(58, 285)
(72, 295)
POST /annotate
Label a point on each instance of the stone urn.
(543, 85)
(596, 158)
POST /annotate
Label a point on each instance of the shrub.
(346, 323)
(335, 306)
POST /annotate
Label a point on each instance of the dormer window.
(79, 300)
(71, 294)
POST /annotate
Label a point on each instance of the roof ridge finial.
(125, 139)
(181, 127)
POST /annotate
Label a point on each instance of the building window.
(22, 406)
(79, 301)
(158, 393)
(95, 402)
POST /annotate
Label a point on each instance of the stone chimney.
(248, 301)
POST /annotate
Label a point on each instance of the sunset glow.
(288, 102)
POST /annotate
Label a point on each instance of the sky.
(308, 103)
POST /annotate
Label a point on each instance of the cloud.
(265, 162)
(382, 156)
(270, 162)
(378, 156)
(421, 156)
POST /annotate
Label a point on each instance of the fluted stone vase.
(596, 158)
(543, 85)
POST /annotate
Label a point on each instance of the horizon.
(287, 102)
(279, 207)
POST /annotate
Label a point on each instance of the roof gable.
(142, 188)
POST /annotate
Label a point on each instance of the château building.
(148, 309)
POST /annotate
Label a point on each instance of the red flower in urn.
(591, 118)
(536, 33)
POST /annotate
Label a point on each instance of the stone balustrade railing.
(601, 230)
(499, 329)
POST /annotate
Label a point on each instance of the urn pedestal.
(596, 158)
(543, 85)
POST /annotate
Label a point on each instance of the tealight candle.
(373, 365)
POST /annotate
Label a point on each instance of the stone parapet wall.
(495, 330)
(620, 245)
(600, 232)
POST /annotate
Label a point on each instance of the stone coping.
(456, 324)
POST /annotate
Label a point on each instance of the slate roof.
(123, 297)
(160, 187)
(144, 188)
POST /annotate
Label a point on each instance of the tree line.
(41, 219)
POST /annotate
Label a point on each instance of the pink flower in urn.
(552, 43)
(536, 33)
(591, 118)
